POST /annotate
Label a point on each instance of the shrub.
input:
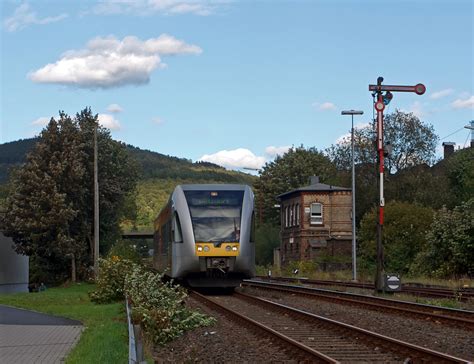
(112, 272)
(159, 307)
(124, 250)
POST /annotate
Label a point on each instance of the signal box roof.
(317, 187)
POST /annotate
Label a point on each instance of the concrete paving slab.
(33, 337)
(37, 343)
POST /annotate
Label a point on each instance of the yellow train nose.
(204, 249)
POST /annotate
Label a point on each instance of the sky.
(233, 82)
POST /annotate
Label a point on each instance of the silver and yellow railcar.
(205, 235)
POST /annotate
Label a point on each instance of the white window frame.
(316, 218)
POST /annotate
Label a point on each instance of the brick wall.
(307, 241)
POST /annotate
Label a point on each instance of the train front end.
(221, 222)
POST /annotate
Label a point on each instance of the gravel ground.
(457, 342)
(223, 342)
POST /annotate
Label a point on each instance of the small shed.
(316, 221)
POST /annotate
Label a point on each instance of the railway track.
(314, 338)
(453, 317)
(462, 294)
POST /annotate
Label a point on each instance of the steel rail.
(461, 294)
(302, 350)
(416, 353)
(449, 316)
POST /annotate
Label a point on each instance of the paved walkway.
(32, 337)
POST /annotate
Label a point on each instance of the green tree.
(50, 205)
(449, 250)
(404, 235)
(267, 238)
(413, 144)
(287, 172)
(460, 172)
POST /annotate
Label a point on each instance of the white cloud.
(324, 106)
(147, 7)
(107, 62)
(417, 109)
(272, 151)
(467, 103)
(42, 121)
(24, 16)
(114, 108)
(237, 158)
(440, 94)
(109, 121)
(157, 121)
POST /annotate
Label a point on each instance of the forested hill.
(152, 165)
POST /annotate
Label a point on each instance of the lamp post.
(354, 250)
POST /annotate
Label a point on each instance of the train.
(205, 235)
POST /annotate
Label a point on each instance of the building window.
(286, 216)
(291, 215)
(316, 214)
(297, 214)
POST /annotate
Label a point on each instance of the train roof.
(215, 187)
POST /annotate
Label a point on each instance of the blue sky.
(233, 82)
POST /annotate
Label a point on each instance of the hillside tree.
(50, 205)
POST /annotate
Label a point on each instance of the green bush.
(109, 285)
(159, 307)
(124, 250)
(305, 268)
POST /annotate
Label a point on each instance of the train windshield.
(215, 214)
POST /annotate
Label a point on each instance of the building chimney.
(448, 149)
(313, 180)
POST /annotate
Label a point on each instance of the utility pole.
(379, 105)
(354, 247)
(96, 206)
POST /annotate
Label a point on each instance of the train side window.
(252, 228)
(177, 235)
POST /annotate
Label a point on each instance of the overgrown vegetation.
(157, 306)
(109, 285)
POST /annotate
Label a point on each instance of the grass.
(104, 339)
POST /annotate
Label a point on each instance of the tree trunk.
(73, 268)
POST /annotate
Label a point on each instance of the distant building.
(14, 268)
(315, 221)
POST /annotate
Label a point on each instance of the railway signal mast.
(383, 95)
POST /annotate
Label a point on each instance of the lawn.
(104, 339)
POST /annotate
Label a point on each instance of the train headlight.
(234, 248)
(206, 248)
(199, 248)
(228, 248)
